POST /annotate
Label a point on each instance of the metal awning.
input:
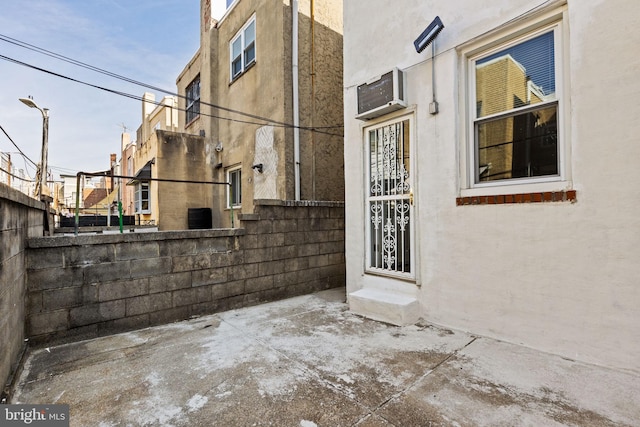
(143, 174)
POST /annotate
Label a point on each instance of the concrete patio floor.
(308, 361)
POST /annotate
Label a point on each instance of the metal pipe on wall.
(296, 99)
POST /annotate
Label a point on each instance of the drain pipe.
(312, 30)
(296, 107)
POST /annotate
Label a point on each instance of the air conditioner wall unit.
(382, 95)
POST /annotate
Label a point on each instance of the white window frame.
(412, 275)
(524, 29)
(138, 197)
(244, 48)
(231, 171)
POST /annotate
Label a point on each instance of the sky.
(150, 41)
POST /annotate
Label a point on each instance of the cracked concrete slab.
(309, 362)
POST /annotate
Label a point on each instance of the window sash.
(142, 198)
(234, 191)
(193, 100)
(242, 49)
(518, 110)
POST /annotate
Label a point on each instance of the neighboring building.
(14, 178)
(247, 66)
(127, 168)
(162, 153)
(69, 185)
(507, 209)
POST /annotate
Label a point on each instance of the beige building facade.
(505, 209)
(163, 160)
(273, 117)
(127, 168)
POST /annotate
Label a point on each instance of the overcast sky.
(146, 40)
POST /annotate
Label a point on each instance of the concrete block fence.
(21, 217)
(87, 286)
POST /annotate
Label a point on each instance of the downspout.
(296, 107)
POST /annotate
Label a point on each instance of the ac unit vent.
(381, 96)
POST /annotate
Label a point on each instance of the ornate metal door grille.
(389, 199)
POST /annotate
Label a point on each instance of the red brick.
(526, 197)
(519, 198)
(508, 198)
(547, 196)
(458, 201)
(467, 200)
(500, 199)
(536, 197)
(571, 195)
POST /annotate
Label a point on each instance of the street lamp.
(42, 185)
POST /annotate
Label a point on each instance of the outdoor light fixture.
(428, 35)
(425, 39)
(257, 167)
(41, 188)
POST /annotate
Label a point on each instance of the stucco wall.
(96, 285)
(183, 157)
(20, 218)
(559, 276)
(265, 90)
(321, 106)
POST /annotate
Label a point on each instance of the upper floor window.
(193, 99)
(243, 48)
(515, 110)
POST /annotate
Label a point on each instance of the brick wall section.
(86, 286)
(20, 217)
(547, 196)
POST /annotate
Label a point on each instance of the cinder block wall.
(20, 217)
(86, 286)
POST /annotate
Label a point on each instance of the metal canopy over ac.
(144, 174)
(382, 95)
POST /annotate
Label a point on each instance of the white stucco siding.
(558, 276)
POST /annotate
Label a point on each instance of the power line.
(15, 176)
(141, 99)
(148, 86)
(16, 145)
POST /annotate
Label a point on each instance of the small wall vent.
(382, 95)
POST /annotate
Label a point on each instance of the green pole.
(120, 214)
(77, 203)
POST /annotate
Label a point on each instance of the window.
(234, 192)
(243, 48)
(129, 166)
(193, 100)
(389, 196)
(515, 109)
(142, 198)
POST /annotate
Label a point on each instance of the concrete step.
(385, 306)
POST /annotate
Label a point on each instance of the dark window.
(193, 100)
